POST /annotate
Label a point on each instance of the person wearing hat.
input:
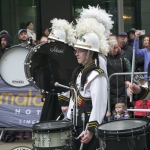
(23, 37)
(131, 37)
(90, 81)
(126, 50)
(3, 32)
(6, 42)
(61, 31)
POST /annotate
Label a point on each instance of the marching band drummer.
(137, 91)
(105, 19)
(62, 31)
(89, 81)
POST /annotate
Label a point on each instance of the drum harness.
(78, 114)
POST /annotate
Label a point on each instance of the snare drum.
(53, 135)
(50, 62)
(148, 135)
(127, 134)
(12, 66)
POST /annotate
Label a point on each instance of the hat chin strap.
(86, 59)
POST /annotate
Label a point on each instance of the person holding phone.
(145, 52)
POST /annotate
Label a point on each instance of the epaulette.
(99, 70)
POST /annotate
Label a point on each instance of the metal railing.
(119, 74)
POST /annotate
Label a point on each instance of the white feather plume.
(91, 25)
(68, 28)
(100, 15)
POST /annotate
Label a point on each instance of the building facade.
(126, 13)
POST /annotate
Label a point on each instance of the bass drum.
(12, 66)
(50, 62)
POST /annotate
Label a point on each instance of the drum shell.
(53, 136)
(51, 139)
(125, 143)
(148, 135)
(131, 137)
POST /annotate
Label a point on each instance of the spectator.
(3, 32)
(6, 42)
(43, 39)
(46, 32)
(22, 36)
(140, 104)
(131, 37)
(121, 112)
(30, 31)
(112, 36)
(145, 52)
(139, 64)
(116, 64)
(126, 50)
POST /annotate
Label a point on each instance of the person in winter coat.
(30, 31)
(116, 63)
(127, 51)
(145, 52)
(6, 42)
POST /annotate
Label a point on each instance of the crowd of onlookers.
(119, 58)
(25, 36)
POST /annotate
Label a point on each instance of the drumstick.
(59, 116)
(81, 146)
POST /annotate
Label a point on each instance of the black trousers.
(92, 145)
(51, 109)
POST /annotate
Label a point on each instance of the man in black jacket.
(131, 37)
(127, 51)
(6, 42)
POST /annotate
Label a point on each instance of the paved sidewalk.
(10, 146)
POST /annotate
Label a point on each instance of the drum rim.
(19, 45)
(122, 132)
(54, 129)
(64, 146)
(33, 52)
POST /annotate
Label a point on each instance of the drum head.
(12, 66)
(50, 62)
(52, 126)
(123, 127)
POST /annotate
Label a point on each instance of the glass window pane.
(129, 15)
(15, 14)
(145, 16)
(109, 5)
